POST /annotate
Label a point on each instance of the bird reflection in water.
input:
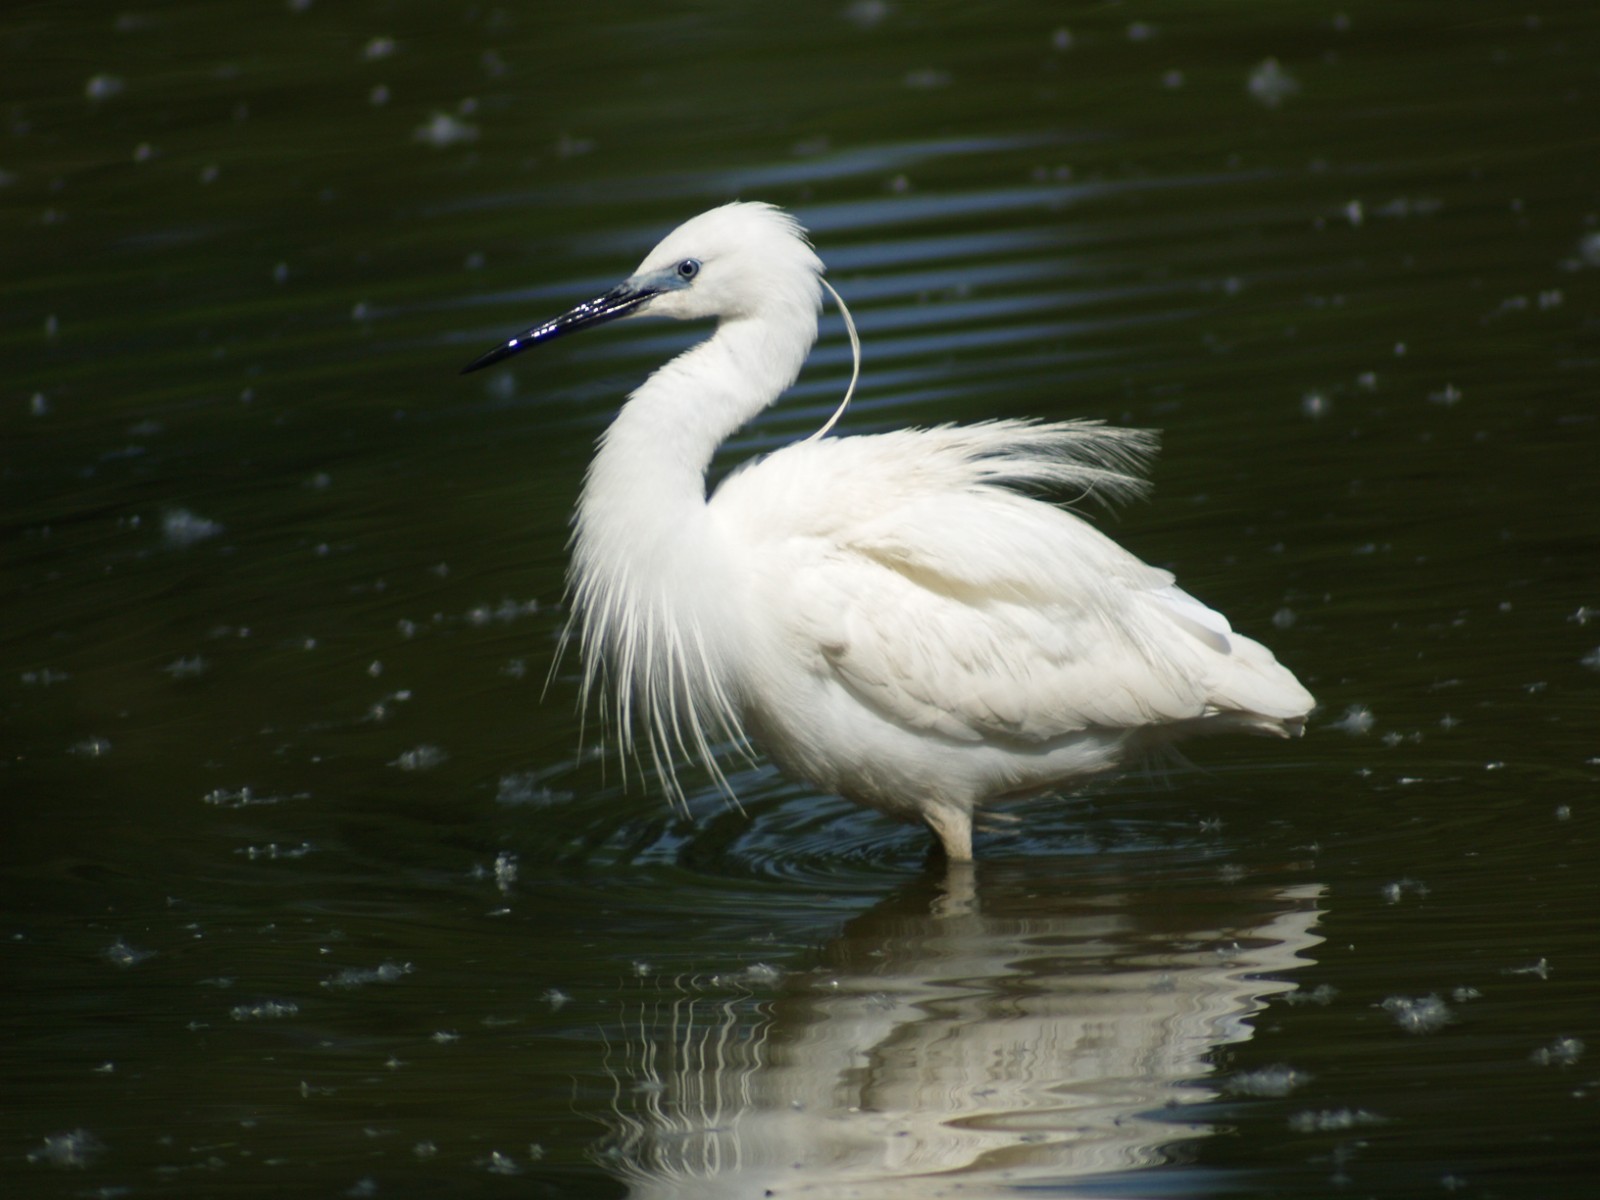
(948, 1048)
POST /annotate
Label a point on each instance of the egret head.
(739, 260)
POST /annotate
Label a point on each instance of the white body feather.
(889, 616)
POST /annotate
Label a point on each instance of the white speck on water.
(505, 870)
(867, 14)
(44, 677)
(1354, 213)
(1589, 249)
(1315, 405)
(1449, 396)
(421, 758)
(361, 1188)
(1172, 80)
(180, 527)
(1591, 659)
(524, 787)
(38, 406)
(210, 173)
(1357, 720)
(641, 968)
(378, 47)
(1270, 84)
(90, 747)
(187, 667)
(1542, 969)
(1140, 31)
(1367, 381)
(927, 79)
(442, 131)
(120, 954)
(266, 1010)
(1392, 892)
(1284, 618)
(1277, 1080)
(515, 668)
(500, 1164)
(1419, 1014)
(425, 1149)
(1562, 1052)
(239, 798)
(354, 977)
(555, 998)
(1329, 1120)
(77, 1148)
(375, 668)
(763, 974)
(271, 851)
(1463, 994)
(378, 96)
(1563, 812)
(1061, 39)
(1402, 207)
(571, 146)
(445, 1037)
(280, 273)
(143, 152)
(506, 611)
(103, 87)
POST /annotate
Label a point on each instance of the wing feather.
(911, 570)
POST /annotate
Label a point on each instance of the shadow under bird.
(895, 617)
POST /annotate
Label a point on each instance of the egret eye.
(689, 268)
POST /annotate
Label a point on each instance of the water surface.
(308, 888)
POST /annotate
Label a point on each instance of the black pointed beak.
(618, 302)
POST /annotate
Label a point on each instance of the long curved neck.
(649, 472)
(651, 582)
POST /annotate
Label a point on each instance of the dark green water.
(306, 891)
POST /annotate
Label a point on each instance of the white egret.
(895, 617)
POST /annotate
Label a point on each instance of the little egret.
(896, 618)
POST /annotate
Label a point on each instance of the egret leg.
(953, 828)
